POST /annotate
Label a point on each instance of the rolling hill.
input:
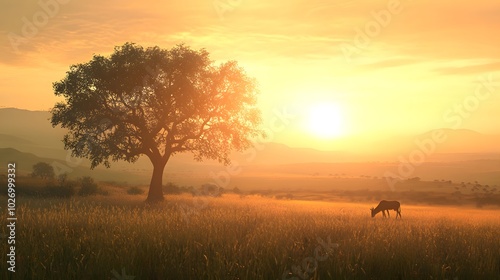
(28, 137)
(25, 161)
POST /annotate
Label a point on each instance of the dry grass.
(248, 238)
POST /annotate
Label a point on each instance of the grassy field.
(252, 237)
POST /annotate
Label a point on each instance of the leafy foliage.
(158, 103)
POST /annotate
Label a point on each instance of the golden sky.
(386, 67)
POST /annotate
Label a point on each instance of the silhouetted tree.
(43, 170)
(158, 103)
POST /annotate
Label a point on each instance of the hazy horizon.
(475, 154)
(359, 143)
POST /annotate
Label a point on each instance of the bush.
(171, 188)
(66, 189)
(26, 186)
(135, 190)
(236, 190)
(88, 187)
(210, 190)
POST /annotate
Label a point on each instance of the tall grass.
(248, 238)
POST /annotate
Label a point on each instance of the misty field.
(235, 237)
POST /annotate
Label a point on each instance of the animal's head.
(373, 211)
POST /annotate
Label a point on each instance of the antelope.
(385, 205)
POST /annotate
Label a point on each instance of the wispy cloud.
(471, 69)
(287, 45)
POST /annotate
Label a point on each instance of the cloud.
(389, 63)
(473, 69)
(287, 45)
(80, 28)
(297, 29)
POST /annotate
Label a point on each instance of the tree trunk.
(155, 187)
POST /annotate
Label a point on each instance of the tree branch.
(180, 142)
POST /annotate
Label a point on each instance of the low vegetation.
(135, 190)
(88, 186)
(251, 237)
(62, 187)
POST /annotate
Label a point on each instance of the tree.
(158, 103)
(43, 170)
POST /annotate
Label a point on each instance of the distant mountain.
(462, 141)
(276, 153)
(25, 161)
(10, 140)
(27, 137)
(31, 132)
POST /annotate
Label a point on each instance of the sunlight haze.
(389, 67)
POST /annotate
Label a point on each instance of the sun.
(325, 120)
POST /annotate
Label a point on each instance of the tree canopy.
(156, 102)
(43, 170)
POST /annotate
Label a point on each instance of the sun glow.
(325, 120)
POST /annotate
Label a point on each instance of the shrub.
(88, 186)
(25, 186)
(211, 190)
(66, 189)
(135, 190)
(171, 188)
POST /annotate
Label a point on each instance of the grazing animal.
(385, 205)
